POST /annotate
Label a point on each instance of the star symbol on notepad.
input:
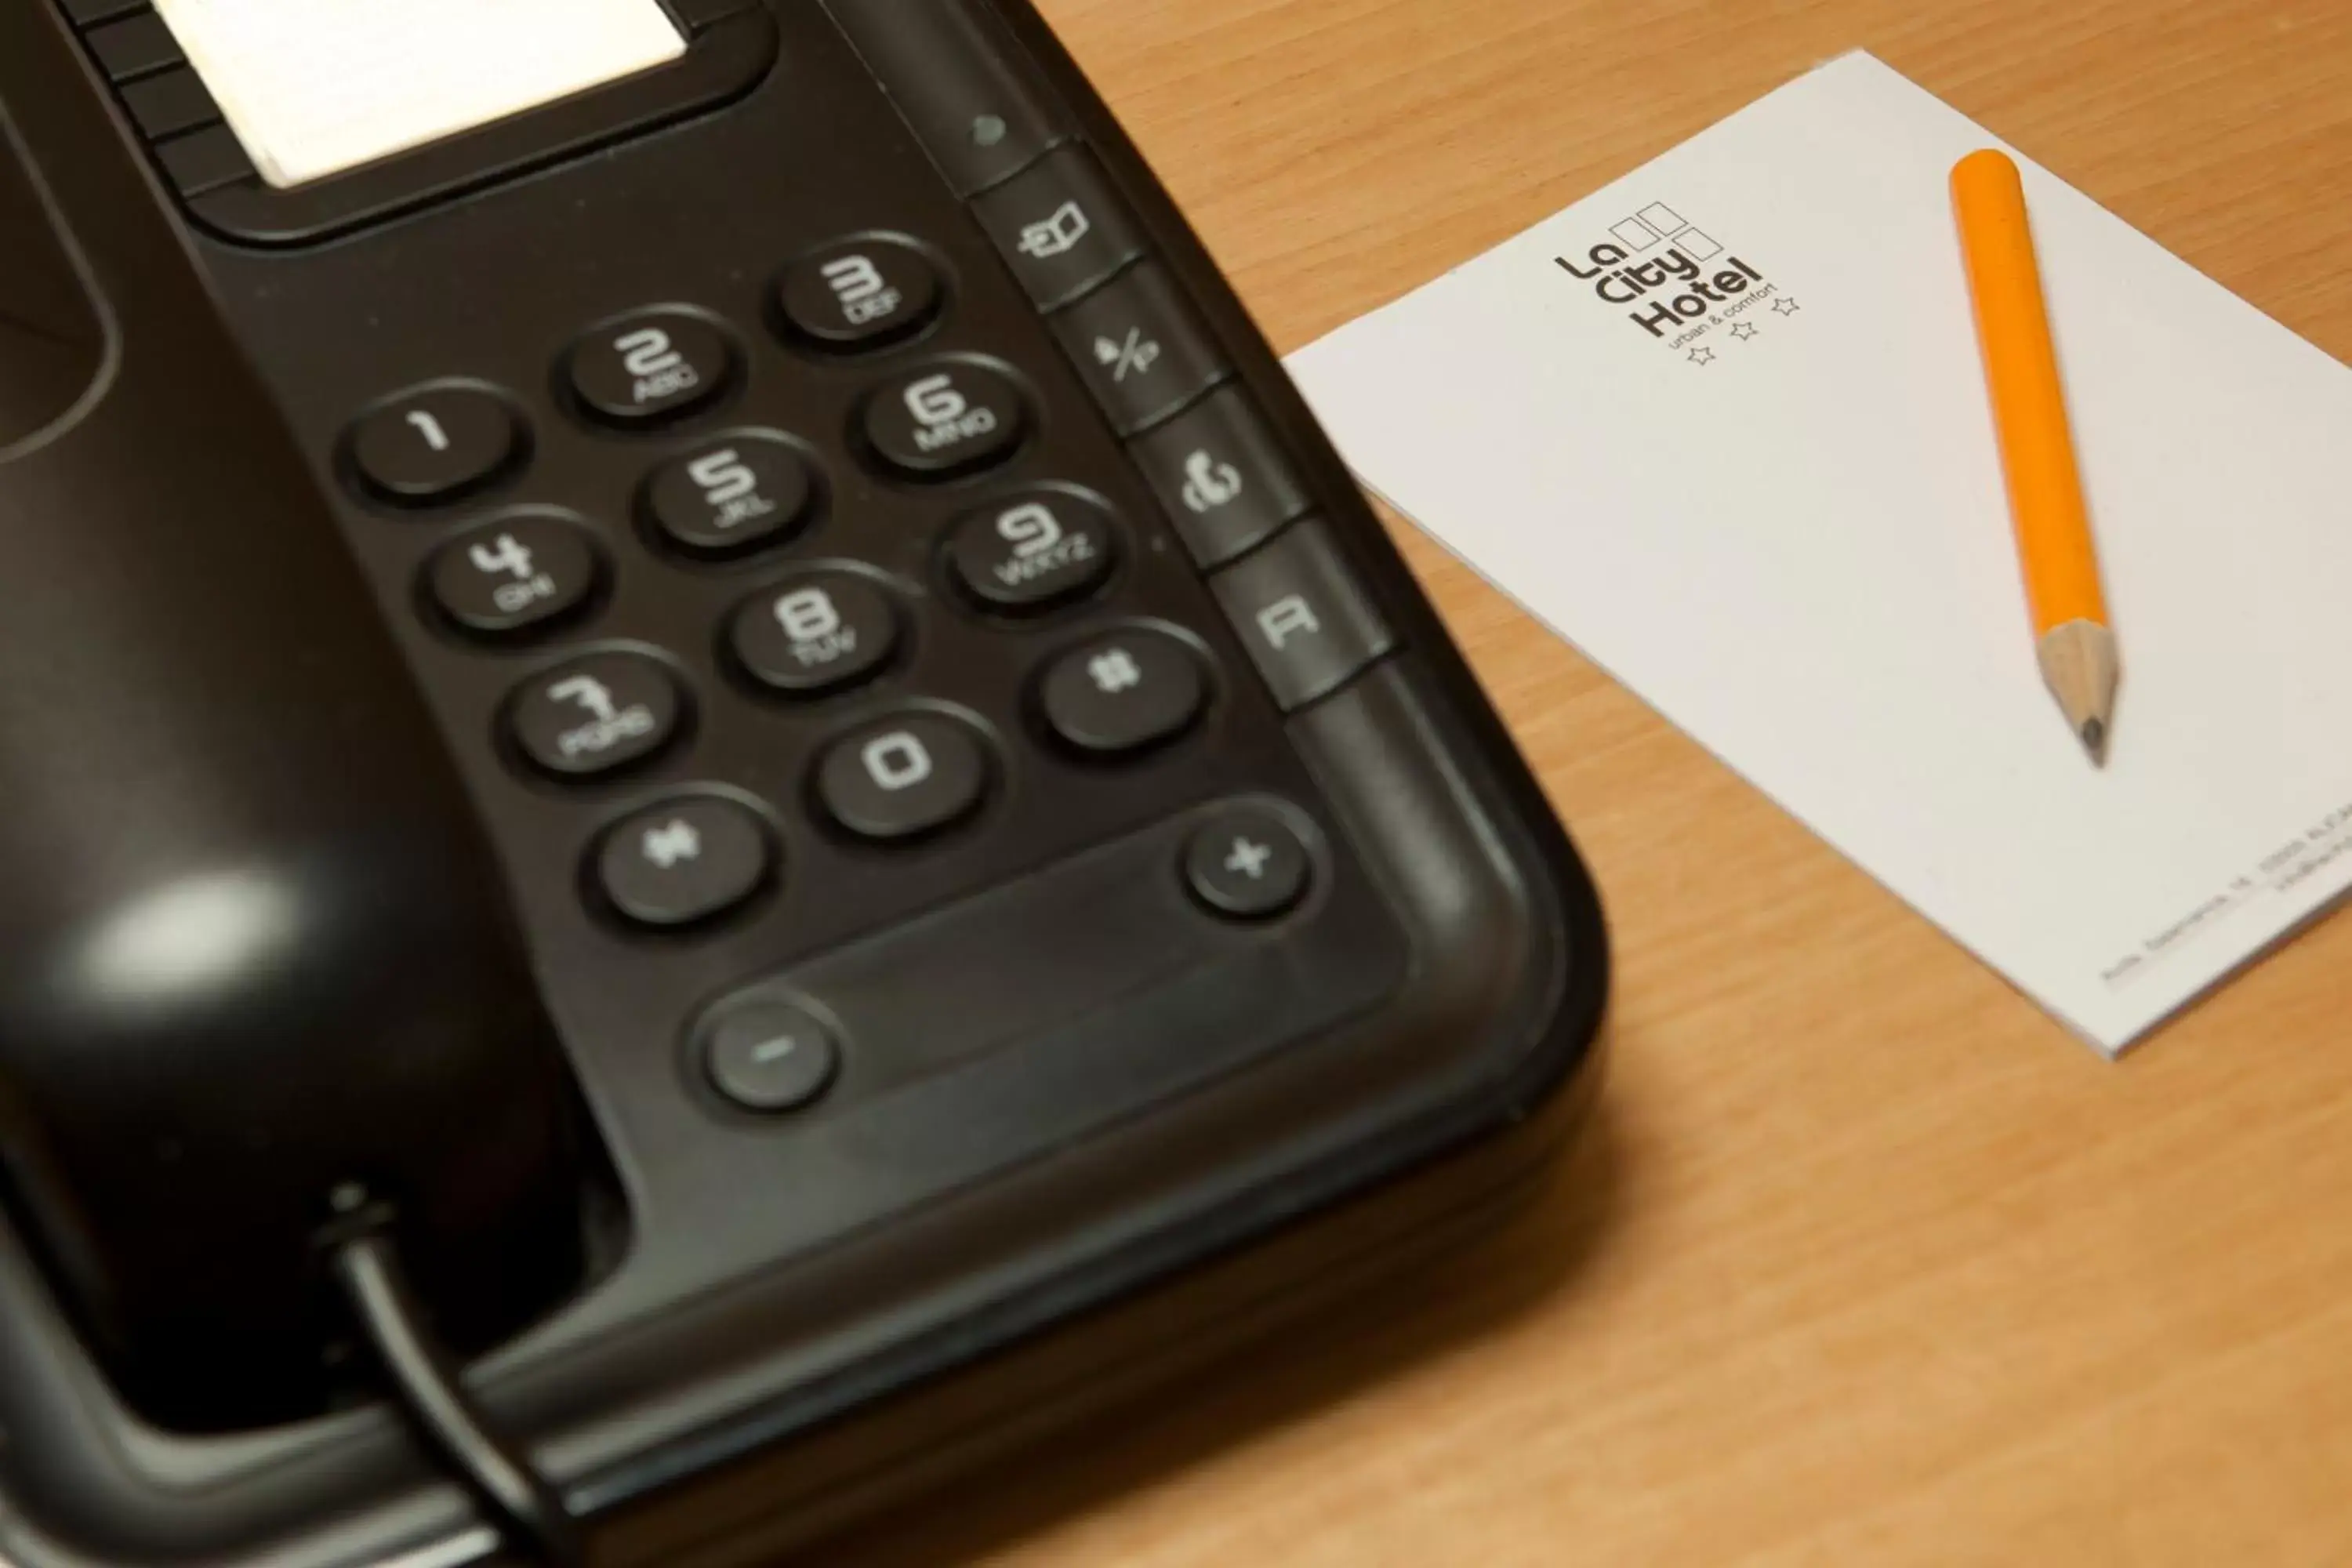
(1743, 331)
(1784, 306)
(1702, 356)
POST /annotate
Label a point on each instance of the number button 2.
(731, 496)
(650, 368)
(436, 444)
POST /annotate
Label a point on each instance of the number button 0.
(734, 495)
(436, 444)
(903, 776)
(652, 367)
(814, 634)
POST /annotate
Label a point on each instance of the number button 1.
(732, 496)
(436, 444)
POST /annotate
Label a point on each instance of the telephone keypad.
(903, 776)
(435, 444)
(595, 715)
(859, 295)
(945, 419)
(1032, 550)
(815, 633)
(731, 495)
(684, 861)
(514, 574)
(650, 368)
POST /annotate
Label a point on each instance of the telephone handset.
(697, 783)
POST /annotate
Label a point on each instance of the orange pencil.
(2079, 659)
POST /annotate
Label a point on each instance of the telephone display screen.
(313, 88)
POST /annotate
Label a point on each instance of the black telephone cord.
(426, 1383)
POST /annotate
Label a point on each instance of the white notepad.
(1779, 518)
(316, 86)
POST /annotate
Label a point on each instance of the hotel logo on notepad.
(1676, 280)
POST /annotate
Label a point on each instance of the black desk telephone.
(708, 799)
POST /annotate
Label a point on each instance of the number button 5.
(733, 495)
(436, 444)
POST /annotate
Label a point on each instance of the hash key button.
(1221, 477)
(594, 715)
(1121, 693)
(1060, 227)
(1139, 346)
(1308, 624)
(684, 861)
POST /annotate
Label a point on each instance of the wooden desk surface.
(1868, 1261)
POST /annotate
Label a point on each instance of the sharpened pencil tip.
(2095, 740)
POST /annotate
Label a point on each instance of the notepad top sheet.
(1723, 426)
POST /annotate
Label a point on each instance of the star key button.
(683, 862)
(1248, 864)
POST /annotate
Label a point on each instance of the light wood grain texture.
(1868, 1262)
